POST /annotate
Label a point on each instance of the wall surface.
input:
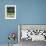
(31, 11)
(6, 26)
(28, 12)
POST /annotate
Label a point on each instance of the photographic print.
(10, 11)
(32, 32)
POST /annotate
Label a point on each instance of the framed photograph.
(33, 32)
(10, 11)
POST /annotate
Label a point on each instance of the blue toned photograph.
(16, 18)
